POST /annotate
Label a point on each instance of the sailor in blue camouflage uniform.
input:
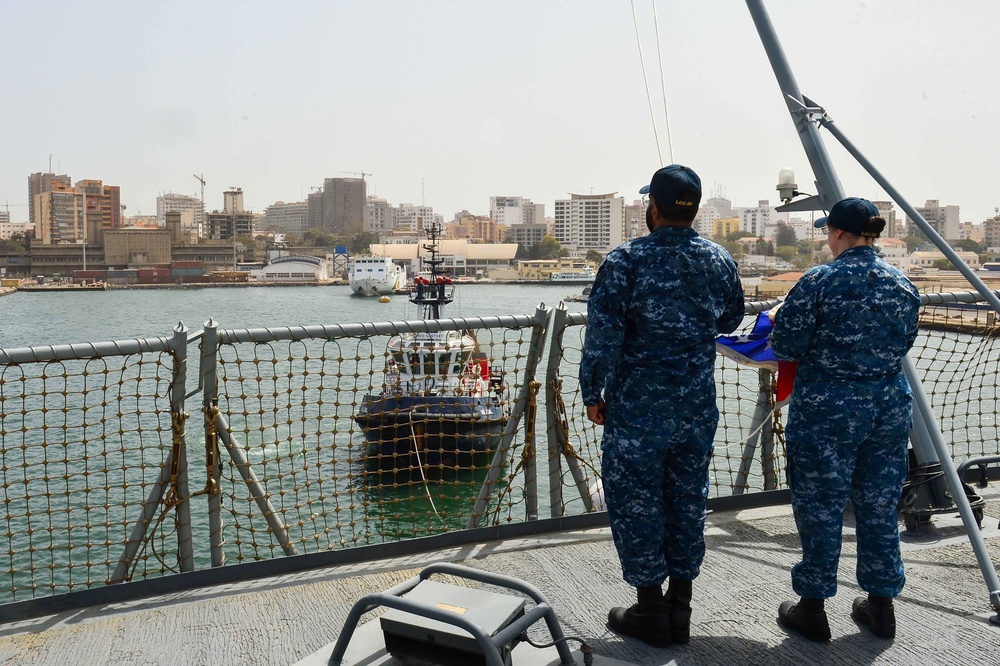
(647, 375)
(849, 324)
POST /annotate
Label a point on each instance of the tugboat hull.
(431, 433)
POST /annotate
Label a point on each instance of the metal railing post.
(210, 402)
(557, 423)
(553, 420)
(178, 392)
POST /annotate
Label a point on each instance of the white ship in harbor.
(376, 276)
(581, 275)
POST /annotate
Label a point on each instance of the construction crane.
(357, 173)
(201, 179)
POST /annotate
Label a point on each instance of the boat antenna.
(645, 81)
(433, 293)
(663, 87)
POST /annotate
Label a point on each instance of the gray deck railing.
(111, 475)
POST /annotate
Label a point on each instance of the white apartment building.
(516, 210)
(410, 217)
(761, 220)
(8, 228)
(705, 221)
(590, 222)
(944, 220)
(290, 218)
(381, 215)
(180, 202)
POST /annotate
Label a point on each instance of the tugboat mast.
(432, 294)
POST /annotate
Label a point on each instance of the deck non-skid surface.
(942, 614)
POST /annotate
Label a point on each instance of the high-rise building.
(887, 211)
(943, 219)
(590, 222)
(60, 215)
(343, 205)
(221, 225)
(991, 234)
(761, 220)
(179, 202)
(103, 208)
(291, 218)
(381, 215)
(232, 200)
(314, 202)
(39, 183)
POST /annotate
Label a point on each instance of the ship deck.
(942, 614)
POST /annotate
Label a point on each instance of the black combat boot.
(806, 618)
(679, 604)
(646, 620)
(876, 612)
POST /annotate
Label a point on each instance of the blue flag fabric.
(754, 348)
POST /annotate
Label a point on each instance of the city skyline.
(448, 106)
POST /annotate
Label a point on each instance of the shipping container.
(186, 271)
(188, 264)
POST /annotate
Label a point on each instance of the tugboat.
(443, 406)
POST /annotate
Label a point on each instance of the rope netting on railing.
(294, 408)
(960, 374)
(82, 441)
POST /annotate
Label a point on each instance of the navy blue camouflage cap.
(854, 215)
(674, 185)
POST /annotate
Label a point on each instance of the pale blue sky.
(452, 102)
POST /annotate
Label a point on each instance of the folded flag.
(754, 349)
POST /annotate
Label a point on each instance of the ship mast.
(432, 294)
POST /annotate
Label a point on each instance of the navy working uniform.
(849, 324)
(653, 313)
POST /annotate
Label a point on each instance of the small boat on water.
(579, 276)
(443, 404)
(579, 298)
(376, 276)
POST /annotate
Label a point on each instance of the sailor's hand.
(596, 413)
(773, 311)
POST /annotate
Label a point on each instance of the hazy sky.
(450, 102)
